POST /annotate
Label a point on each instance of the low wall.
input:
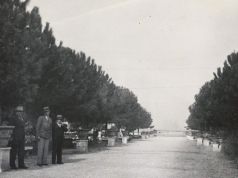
(169, 133)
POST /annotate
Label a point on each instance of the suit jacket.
(18, 133)
(44, 127)
(58, 132)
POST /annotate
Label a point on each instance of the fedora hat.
(46, 108)
(59, 117)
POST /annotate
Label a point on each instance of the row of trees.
(35, 72)
(215, 107)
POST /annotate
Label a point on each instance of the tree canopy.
(35, 72)
(215, 106)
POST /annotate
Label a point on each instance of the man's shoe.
(39, 165)
(23, 167)
(60, 163)
(45, 164)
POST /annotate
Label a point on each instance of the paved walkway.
(162, 157)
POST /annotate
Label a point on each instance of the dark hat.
(46, 108)
(59, 117)
(19, 108)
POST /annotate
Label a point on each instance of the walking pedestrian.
(59, 127)
(17, 142)
(43, 134)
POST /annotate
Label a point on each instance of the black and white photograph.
(118, 89)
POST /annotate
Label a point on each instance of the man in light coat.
(43, 135)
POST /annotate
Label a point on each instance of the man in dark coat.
(58, 137)
(18, 140)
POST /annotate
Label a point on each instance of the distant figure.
(18, 139)
(120, 134)
(95, 135)
(43, 135)
(59, 127)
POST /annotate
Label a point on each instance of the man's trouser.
(42, 152)
(57, 151)
(17, 148)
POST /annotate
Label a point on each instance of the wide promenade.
(162, 157)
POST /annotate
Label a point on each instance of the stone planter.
(216, 147)
(82, 146)
(199, 141)
(83, 134)
(124, 140)
(111, 137)
(111, 133)
(206, 142)
(5, 134)
(111, 141)
(189, 137)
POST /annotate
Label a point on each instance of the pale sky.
(162, 50)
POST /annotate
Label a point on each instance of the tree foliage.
(35, 72)
(215, 106)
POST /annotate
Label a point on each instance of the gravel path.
(162, 157)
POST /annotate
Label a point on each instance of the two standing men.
(44, 128)
(43, 135)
